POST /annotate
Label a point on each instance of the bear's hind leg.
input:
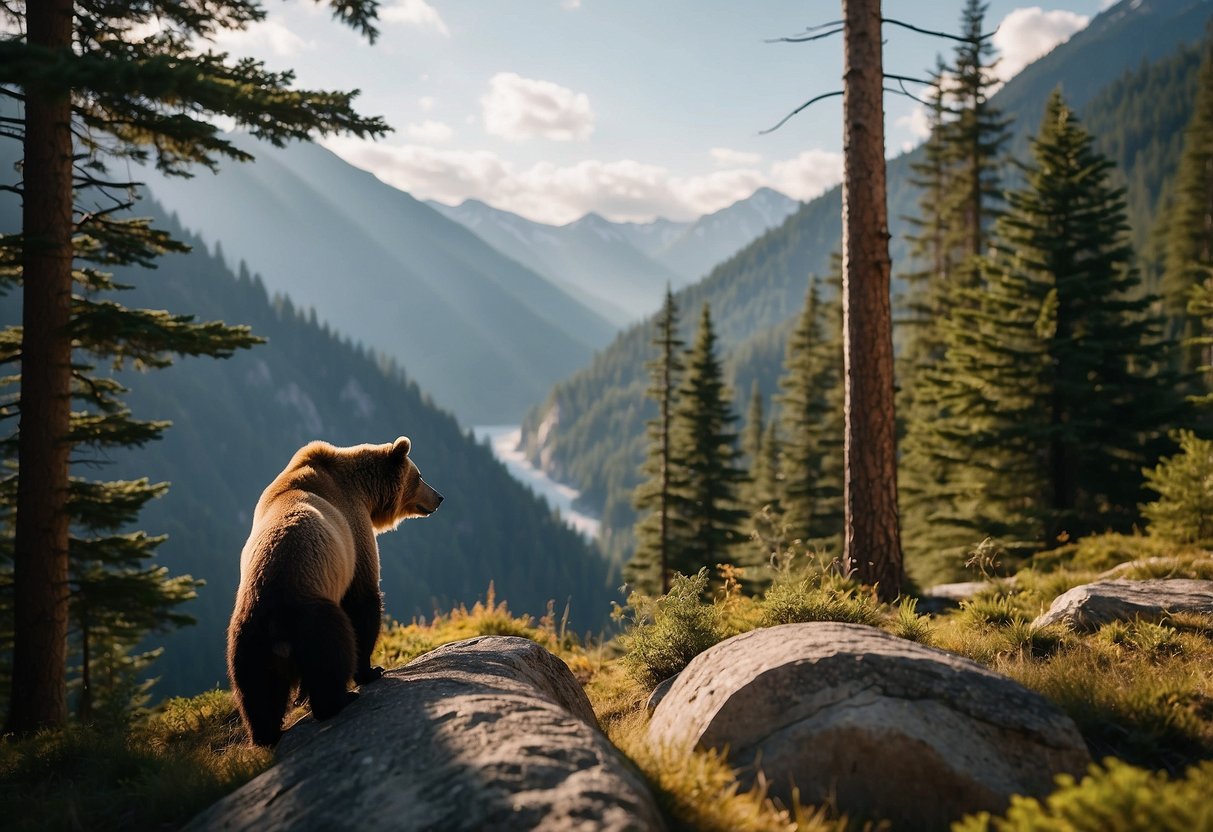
(324, 649)
(262, 693)
(364, 606)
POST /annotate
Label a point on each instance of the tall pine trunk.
(39, 695)
(872, 545)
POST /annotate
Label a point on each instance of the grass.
(154, 774)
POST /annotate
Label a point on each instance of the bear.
(308, 608)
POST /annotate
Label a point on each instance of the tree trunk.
(39, 695)
(872, 545)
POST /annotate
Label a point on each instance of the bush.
(1183, 511)
(825, 596)
(670, 630)
(1115, 798)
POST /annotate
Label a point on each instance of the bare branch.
(934, 33)
(805, 38)
(803, 106)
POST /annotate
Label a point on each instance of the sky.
(629, 108)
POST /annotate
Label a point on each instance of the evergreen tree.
(974, 137)
(960, 200)
(1189, 228)
(95, 88)
(762, 494)
(811, 426)
(659, 495)
(872, 537)
(1053, 381)
(704, 451)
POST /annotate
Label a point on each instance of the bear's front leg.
(365, 609)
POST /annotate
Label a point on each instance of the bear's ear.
(401, 448)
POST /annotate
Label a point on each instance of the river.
(503, 439)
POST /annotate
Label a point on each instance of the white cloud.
(807, 175)
(1029, 33)
(430, 131)
(426, 103)
(414, 13)
(734, 158)
(621, 190)
(570, 5)
(519, 108)
(266, 36)
(916, 122)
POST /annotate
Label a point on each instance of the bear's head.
(408, 494)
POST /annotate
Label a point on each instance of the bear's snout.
(428, 499)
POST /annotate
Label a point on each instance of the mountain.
(592, 259)
(478, 331)
(589, 432)
(716, 237)
(622, 268)
(236, 423)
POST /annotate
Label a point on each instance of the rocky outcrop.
(489, 733)
(1090, 606)
(888, 728)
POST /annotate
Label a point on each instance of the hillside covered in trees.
(593, 423)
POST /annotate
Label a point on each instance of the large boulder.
(1090, 606)
(886, 727)
(488, 733)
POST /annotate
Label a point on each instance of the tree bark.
(40, 565)
(872, 546)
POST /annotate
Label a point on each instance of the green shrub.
(823, 596)
(908, 624)
(1115, 798)
(1183, 511)
(670, 630)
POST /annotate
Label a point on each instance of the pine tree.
(811, 426)
(1052, 378)
(872, 537)
(1189, 229)
(97, 91)
(973, 138)
(762, 494)
(704, 450)
(960, 201)
(649, 568)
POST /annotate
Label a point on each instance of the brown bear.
(309, 607)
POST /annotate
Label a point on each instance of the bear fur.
(308, 608)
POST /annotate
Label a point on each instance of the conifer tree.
(811, 425)
(704, 451)
(872, 537)
(98, 84)
(1189, 229)
(659, 495)
(1053, 372)
(959, 202)
(762, 494)
(974, 138)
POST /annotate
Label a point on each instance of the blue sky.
(632, 108)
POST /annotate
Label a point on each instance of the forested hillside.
(237, 422)
(593, 423)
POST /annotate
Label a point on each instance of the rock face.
(888, 728)
(1089, 606)
(488, 733)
